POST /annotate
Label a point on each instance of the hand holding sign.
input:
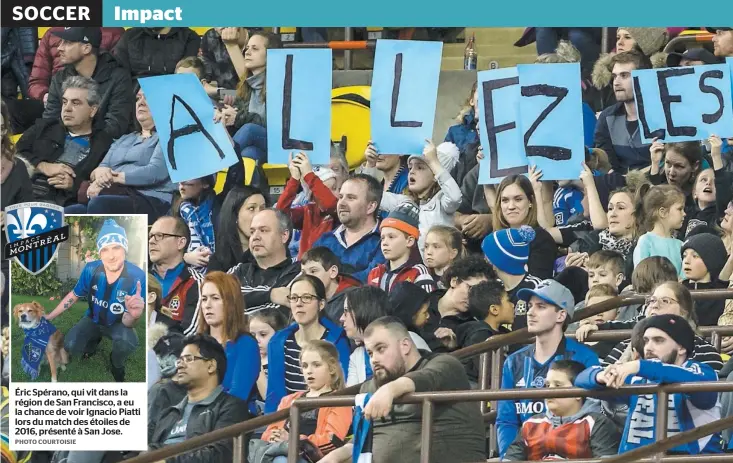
(303, 164)
(656, 152)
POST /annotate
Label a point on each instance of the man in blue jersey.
(550, 308)
(113, 288)
(667, 342)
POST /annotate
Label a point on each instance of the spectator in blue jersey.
(668, 343)
(465, 132)
(357, 241)
(307, 299)
(114, 289)
(550, 310)
(199, 207)
(167, 242)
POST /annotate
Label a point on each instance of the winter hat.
(649, 39)
(448, 154)
(711, 250)
(675, 326)
(508, 249)
(323, 173)
(552, 292)
(406, 218)
(111, 233)
(693, 54)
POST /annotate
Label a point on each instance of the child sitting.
(443, 245)
(489, 303)
(199, 208)
(664, 211)
(399, 233)
(596, 295)
(703, 257)
(568, 198)
(571, 428)
(327, 427)
(323, 264)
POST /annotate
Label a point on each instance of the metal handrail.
(492, 345)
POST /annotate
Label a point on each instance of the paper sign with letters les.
(501, 139)
(685, 103)
(299, 105)
(551, 118)
(404, 95)
(193, 145)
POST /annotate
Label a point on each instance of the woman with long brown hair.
(221, 315)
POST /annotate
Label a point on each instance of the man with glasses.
(167, 243)
(205, 408)
(114, 290)
(550, 309)
(265, 281)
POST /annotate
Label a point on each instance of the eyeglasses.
(189, 358)
(662, 301)
(306, 298)
(159, 236)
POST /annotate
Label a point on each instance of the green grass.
(94, 369)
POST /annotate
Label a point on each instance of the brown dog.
(29, 316)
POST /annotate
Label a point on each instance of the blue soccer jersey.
(107, 301)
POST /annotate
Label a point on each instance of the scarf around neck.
(609, 242)
(362, 430)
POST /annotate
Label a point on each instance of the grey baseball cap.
(553, 292)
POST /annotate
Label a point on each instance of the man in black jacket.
(66, 150)
(79, 51)
(265, 281)
(206, 407)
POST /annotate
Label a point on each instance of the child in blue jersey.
(114, 289)
(668, 344)
(550, 310)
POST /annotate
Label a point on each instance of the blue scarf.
(362, 430)
(200, 221)
(34, 347)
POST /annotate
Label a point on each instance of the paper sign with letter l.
(193, 145)
(551, 118)
(404, 95)
(299, 105)
(501, 139)
(683, 104)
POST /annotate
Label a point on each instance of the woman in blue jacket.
(222, 316)
(307, 300)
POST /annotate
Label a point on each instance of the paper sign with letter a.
(299, 105)
(683, 104)
(551, 118)
(404, 95)
(193, 145)
(501, 139)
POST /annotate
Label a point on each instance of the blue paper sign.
(551, 119)
(730, 70)
(299, 105)
(404, 95)
(684, 103)
(193, 145)
(501, 139)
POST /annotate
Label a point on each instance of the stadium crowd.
(371, 277)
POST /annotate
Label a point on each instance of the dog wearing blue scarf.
(40, 337)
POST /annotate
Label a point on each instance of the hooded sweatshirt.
(686, 411)
(470, 333)
(708, 311)
(335, 306)
(584, 435)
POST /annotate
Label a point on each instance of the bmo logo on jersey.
(52, 13)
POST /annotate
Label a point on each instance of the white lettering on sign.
(142, 16)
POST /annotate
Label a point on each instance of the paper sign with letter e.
(501, 140)
(683, 104)
(730, 70)
(193, 145)
(551, 119)
(404, 95)
(299, 105)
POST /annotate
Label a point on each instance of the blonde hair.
(330, 355)
(451, 236)
(656, 198)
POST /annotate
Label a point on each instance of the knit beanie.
(111, 233)
(675, 326)
(508, 249)
(405, 217)
(649, 39)
(711, 250)
(448, 154)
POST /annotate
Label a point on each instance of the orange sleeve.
(284, 403)
(336, 421)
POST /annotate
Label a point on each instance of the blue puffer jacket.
(464, 133)
(335, 334)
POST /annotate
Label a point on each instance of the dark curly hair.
(473, 266)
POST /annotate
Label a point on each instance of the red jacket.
(47, 63)
(413, 271)
(314, 219)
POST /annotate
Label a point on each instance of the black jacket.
(471, 333)
(224, 410)
(44, 142)
(115, 92)
(145, 52)
(258, 283)
(708, 311)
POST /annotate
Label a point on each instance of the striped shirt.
(415, 272)
(294, 381)
(704, 353)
